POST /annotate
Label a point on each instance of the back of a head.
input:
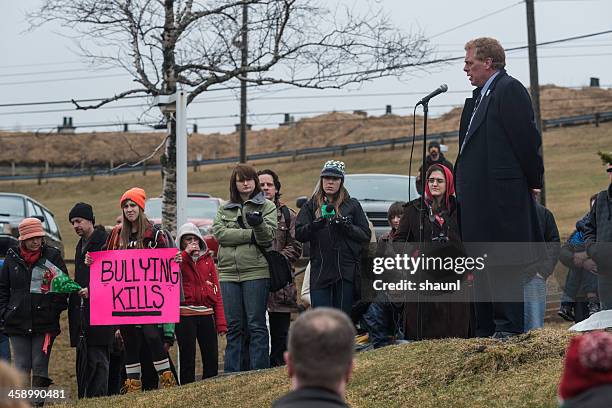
(321, 347)
(10, 379)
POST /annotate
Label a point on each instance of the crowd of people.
(489, 196)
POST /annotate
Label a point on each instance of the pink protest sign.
(136, 286)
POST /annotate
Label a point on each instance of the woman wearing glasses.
(428, 318)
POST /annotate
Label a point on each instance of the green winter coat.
(238, 258)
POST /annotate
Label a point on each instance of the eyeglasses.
(436, 180)
(609, 169)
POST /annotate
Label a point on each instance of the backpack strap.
(287, 215)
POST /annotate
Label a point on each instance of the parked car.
(376, 193)
(201, 210)
(13, 209)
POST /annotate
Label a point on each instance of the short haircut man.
(320, 358)
(498, 166)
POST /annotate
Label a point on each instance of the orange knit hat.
(30, 228)
(135, 194)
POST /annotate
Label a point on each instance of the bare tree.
(195, 45)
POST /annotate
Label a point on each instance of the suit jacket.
(498, 165)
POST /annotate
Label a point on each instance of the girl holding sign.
(137, 232)
(201, 312)
(31, 301)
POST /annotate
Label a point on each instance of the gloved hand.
(343, 222)
(318, 223)
(254, 218)
(168, 342)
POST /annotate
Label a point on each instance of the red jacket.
(201, 286)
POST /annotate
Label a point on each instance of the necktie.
(476, 105)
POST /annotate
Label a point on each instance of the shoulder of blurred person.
(319, 359)
(597, 397)
(309, 397)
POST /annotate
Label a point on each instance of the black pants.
(202, 329)
(279, 330)
(95, 382)
(116, 371)
(133, 337)
(499, 303)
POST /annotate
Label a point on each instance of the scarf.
(30, 257)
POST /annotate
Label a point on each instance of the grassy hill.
(523, 372)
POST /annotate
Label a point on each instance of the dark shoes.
(566, 311)
(593, 306)
(503, 336)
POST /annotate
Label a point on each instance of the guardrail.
(595, 118)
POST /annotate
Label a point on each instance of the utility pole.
(533, 76)
(181, 159)
(243, 84)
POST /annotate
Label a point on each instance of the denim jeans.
(248, 299)
(604, 283)
(29, 356)
(338, 295)
(578, 281)
(535, 303)
(5, 349)
(383, 322)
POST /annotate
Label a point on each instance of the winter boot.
(131, 385)
(43, 384)
(566, 311)
(166, 379)
(593, 305)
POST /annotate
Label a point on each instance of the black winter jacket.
(22, 312)
(335, 252)
(598, 232)
(96, 335)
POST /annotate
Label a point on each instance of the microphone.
(441, 89)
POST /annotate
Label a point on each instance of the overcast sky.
(42, 65)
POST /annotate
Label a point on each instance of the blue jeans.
(535, 303)
(5, 350)
(604, 283)
(578, 280)
(383, 321)
(338, 295)
(248, 299)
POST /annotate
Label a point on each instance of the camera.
(440, 238)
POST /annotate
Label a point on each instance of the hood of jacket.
(257, 199)
(450, 186)
(190, 229)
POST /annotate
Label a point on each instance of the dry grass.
(428, 374)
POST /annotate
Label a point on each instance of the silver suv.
(376, 193)
(14, 208)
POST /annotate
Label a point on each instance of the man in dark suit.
(498, 166)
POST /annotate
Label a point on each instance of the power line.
(61, 71)
(40, 81)
(476, 19)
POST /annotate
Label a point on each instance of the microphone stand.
(423, 212)
(423, 178)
